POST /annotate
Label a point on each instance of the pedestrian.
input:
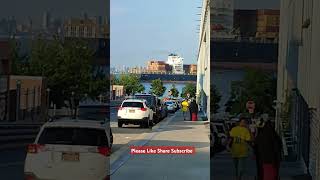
(185, 107)
(193, 108)
(259, 127)
(239, 140)
(269, 151)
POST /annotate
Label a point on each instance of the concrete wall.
(293, 14)
(203, 66)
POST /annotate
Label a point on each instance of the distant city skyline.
(34, 9)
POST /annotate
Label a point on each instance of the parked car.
(135, 111)
(67, 144)
(151, 103)
(171, 106)
(163, 109)
(96, 112)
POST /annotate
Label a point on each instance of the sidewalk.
(172, 167)
(222, 168)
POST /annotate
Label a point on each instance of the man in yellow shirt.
(240, 138)
(185, 106)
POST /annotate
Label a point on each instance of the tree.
(257, 86)
(131, 83)
(67, 66)
(215, 98)
(174, 91)
(157, 87)
(189, 88)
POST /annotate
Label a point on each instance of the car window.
(133, 104)
(73, 136)
(93, 113)
(169, 102)
(150, 100)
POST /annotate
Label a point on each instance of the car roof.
(134, 100)
(144, 94)
(67, 122)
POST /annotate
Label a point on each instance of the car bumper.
(124, 120)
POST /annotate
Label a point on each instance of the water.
(168, 86)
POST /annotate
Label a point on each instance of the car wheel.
(120, 124)
(149, 124)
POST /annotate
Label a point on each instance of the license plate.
(131, 111)
(66, 156)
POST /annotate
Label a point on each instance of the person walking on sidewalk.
(259, 127)
(240, 138)
(193, 109)
(185, 107)
(269, 147)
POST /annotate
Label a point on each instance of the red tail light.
(34, 148)
(29, 176)
(143, 109)
(106, 151)
(107, 178)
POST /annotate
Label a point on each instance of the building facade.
(258, 24)
(221, 17)
(86, 28)
(298, 92)
(268, 23)
(203, 60)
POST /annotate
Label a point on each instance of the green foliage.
(157, 87)
(67, 66)
(174, 91)
(215, 98)
(257, 86)
(189, 88)
(131, 83)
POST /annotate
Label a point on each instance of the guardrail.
(17, 135)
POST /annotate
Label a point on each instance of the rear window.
(133, 104)
(168, 102)
(74, 136)
(98, 113)
(150, 100)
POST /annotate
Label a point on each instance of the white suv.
(69, 149)
(135, 111)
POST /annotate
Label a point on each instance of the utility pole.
(18, 99)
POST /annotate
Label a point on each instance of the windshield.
(73, 136)
(133, 104)
(99, 113)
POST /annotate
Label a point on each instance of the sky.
(151, 29)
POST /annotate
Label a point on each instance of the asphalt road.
(12, 161)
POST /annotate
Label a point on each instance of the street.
(12, 160)
(172, 131)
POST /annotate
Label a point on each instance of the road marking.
(5, 165)
(125, 154)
